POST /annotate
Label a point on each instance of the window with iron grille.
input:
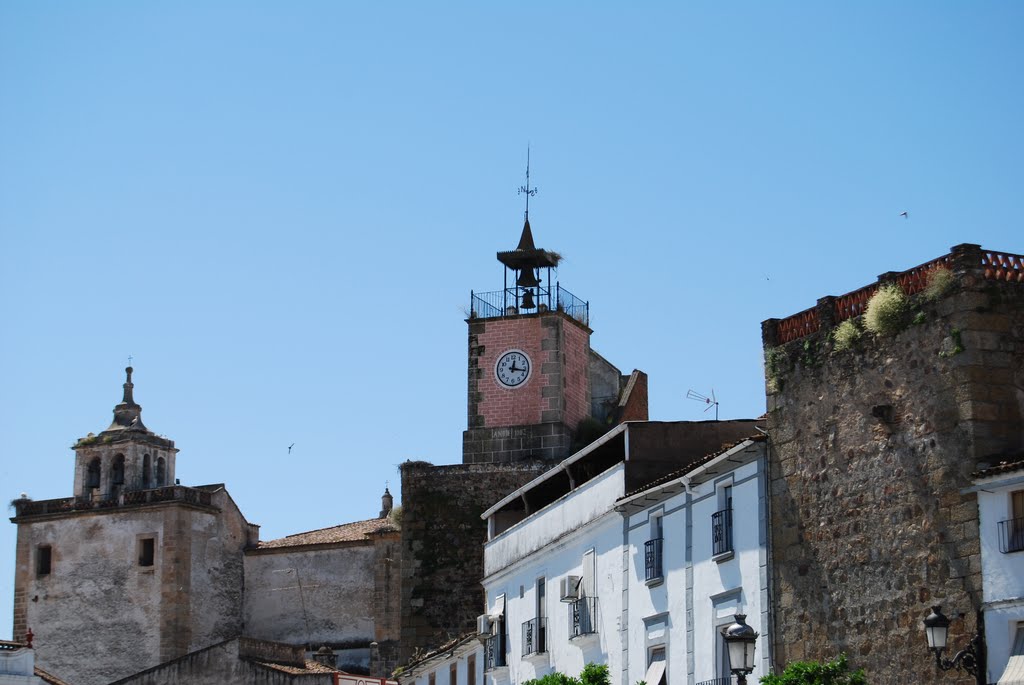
(1011, 531)
(494, 652)
(583, 617)
(652, 559)
(721, 523)
(533, 636)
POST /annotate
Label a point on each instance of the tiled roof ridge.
(1010, 463)
(338, 525)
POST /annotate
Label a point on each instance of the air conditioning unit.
(485, 625)
(569, 588)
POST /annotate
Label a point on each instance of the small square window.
(44, 560)
(147, 550)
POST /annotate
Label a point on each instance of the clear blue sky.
(280, 209)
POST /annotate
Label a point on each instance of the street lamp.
(970, 659)
(740, 640)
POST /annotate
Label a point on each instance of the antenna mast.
(710, 401)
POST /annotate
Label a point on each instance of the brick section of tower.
(536, 420)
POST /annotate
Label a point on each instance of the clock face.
(512, 368)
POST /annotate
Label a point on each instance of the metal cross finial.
(130, 358)
(526, 190)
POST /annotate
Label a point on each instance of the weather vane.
(527, 190)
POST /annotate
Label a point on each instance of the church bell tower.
(529, 349)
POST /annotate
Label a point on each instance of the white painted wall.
(717, 589)
(566, 514)
(17, 667)
(1002, 574)
(440, 666)
(553, 543)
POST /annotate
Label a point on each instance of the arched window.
(117, 471)
(92, 474)
(147, 472)
(161, 472)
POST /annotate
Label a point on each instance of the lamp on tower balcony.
(740, 639)
(970, 659)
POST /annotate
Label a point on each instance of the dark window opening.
(117, 471)
(147, 472)
(147, 548)
(453, 674)
(161, 472)
(44, 560)
(92, 474)
(471, 669)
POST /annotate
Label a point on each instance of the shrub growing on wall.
(846, 335)
(939, 281)
(887, 310)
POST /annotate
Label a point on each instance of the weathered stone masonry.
(442, 545)
(870, 450)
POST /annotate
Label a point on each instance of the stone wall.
(870, 450)
(335, 606)
(387, 603)
(100, 615)
(442, 545)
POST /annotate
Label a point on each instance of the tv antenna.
(527, 190)
(710, 401)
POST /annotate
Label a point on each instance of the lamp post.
(740, 639)
(970, 659)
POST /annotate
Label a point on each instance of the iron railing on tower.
(509, 302)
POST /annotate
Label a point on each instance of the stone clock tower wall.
(539, 418)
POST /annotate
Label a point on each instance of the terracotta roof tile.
(310, 667)
(1014, 463)
(346, 532)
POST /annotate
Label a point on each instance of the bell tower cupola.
(126, 456)
(529, 351)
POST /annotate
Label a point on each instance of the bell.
(527, 302)
(527, 279)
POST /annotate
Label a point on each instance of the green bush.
(887, 311)
(593, 674)
(835, 672)
(939, 281)
(846, 335)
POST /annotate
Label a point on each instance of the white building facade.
(566, 566)
(696, 557)
(1001, 531)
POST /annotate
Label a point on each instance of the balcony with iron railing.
(173, 493)
(727, 680)
(583, 617)
(1011, 535)
(511, 302)
(652, 560)
(494, 652)
(721, 532)
(534, 636)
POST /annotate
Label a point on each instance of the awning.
(1013, 674)
(656, 671)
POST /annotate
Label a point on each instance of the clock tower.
(529, 362)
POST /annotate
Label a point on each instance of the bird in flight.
(290, 447)
(904, 215)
